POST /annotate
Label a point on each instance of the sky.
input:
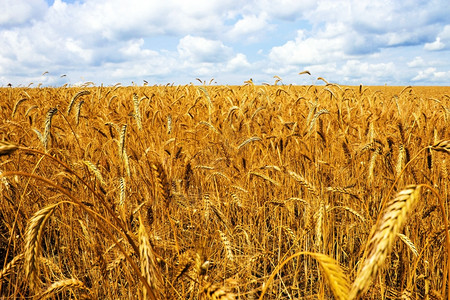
(226, 42)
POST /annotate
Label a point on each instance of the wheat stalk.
(210, 104)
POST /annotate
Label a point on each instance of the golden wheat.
(223, 192)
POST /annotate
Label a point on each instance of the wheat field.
(224, 192)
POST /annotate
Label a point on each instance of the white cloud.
(251, 28)
(284, 9)
(416, 62)
(19, 12)
(434, 46)
(113, 39)
(116, 19)
(133, 50)
(355, 70)
(445, 33)
(198, 49)
(432, 75)
(425, 74)
(237, 63)
(308, 50)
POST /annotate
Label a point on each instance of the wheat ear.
(216, 292)
(333, 273)
(249, 140)
(93, 168)
(304, 182)
(17, 105)
(75, 97)
(137, 113)
(7, 148)
(78, 112)
(48, 124)
(162, 184)
(442, 146)
(8, 268)
(148, 262)
(60, 285)
(383, 238)
(227, 246)
(33, 241)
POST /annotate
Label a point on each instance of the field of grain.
(224, 192)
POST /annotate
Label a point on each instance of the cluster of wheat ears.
(224, 192)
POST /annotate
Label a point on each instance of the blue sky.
(176, 41)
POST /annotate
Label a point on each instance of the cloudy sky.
(176, 41)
